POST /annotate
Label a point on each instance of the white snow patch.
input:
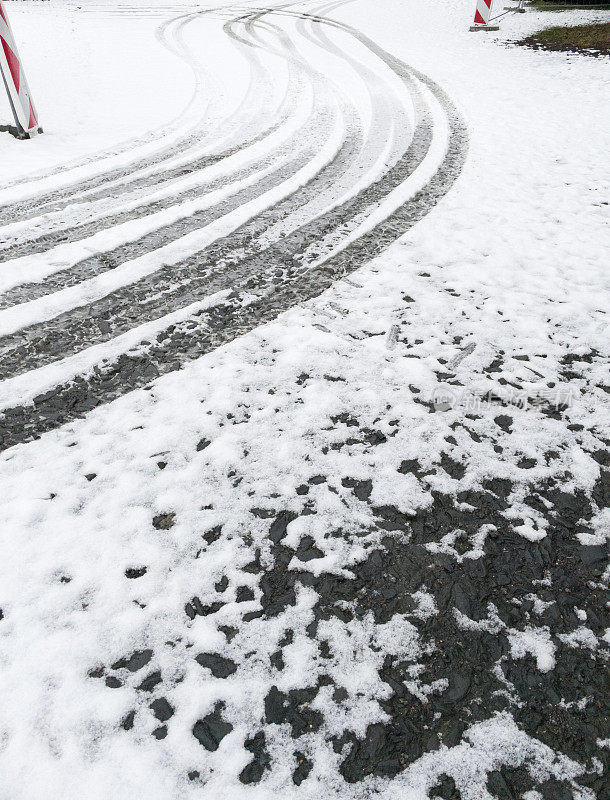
(581, 637)
(426, 605)
(536, 642)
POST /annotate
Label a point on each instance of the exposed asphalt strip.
(269, 290)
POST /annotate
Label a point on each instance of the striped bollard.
(15, 81)
(481, 17)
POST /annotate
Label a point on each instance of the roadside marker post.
(481, 17)
(15, 81)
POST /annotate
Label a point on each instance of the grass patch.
(554, 5)
(576, 39)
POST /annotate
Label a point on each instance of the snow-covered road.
(250, 211)
(304, 408)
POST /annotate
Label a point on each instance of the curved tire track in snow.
(204, 137)
(272, 223)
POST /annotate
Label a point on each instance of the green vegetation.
(569, 5)
(577, 38)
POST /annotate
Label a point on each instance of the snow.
(92, 87)
(38, 266)
(45, 308)
(580, 637)
(601, 526)
(540, 606)
(426, 605)
(492, 624)
(521, 241)
(535, 642)
(487, 746)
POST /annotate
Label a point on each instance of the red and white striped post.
(15, 81)
(481, 17)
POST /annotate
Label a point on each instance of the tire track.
(32, 189)
(100, 212)
(245, 185)
(330, 178)
(255, 120)
(288, 253)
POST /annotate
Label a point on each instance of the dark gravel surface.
(478, 595)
